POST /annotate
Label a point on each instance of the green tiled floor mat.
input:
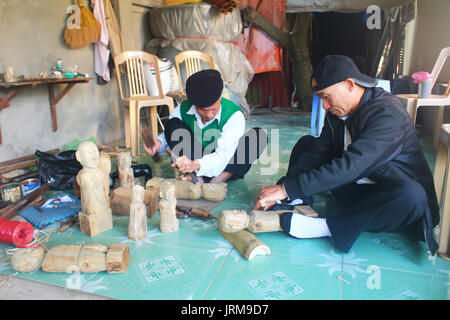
(198, 263)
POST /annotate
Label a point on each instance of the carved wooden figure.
(167, 208)
(126, 175)
(190, 191)
(90, 258)
(256, 221)
(214, 191)
(105, 166)
(137, 225)
(95, 216)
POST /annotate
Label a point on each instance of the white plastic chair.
(193, 62)
(412, 102)
(138, 96)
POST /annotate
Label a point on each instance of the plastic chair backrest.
(439, 64)
(192, 60)
(134, 66)
(318, 112)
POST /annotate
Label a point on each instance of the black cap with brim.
(334, 69)
(204, 88)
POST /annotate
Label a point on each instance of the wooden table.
(14, 87)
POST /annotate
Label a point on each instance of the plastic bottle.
(59, 65)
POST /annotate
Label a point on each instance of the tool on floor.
(194, 213)
(72, 221)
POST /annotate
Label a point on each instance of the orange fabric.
(263, 53)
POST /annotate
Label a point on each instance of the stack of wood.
(17, 170)
(223, 6)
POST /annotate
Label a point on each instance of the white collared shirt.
(211, 165)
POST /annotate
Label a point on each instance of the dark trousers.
(251, 145)
(382, 207)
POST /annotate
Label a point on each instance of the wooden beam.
(295, 6)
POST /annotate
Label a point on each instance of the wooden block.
(264, 221)
(214, 191)
(231, 221)
(306, 211)
(183, 189)
(121, 200)
(62, 259)
(94, 225)
(28, 260)
(92, 258)
(117, 258)
(247, 244)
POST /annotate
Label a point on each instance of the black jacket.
(384, 148)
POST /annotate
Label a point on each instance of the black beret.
(204, 88)
(336, 68)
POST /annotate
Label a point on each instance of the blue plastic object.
(46, 216)
(317, 116)
(318, 112)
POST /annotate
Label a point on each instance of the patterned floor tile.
(272, 277)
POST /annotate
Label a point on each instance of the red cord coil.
(18, 233)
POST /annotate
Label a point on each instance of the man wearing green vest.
(207, 133)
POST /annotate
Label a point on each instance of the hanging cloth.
(115, 36)
(101, 51)
(263, 53)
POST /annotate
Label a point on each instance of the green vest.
(202, 135)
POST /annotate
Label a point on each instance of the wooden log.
(117, 258)
(28, 259)
(183, 189)
(231, 221)
(62, 259)
(247, 244)
(92, 258)
(256, 221)
(121, 200)
(264, 221)
(214, 191)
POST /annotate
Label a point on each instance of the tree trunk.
(295, 41)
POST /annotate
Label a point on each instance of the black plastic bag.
(139, 170)
(58, 170)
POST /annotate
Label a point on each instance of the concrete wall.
(425, 37)
(31, 39)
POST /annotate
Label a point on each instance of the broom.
(89, 31)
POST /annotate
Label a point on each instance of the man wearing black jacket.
(368, 156)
